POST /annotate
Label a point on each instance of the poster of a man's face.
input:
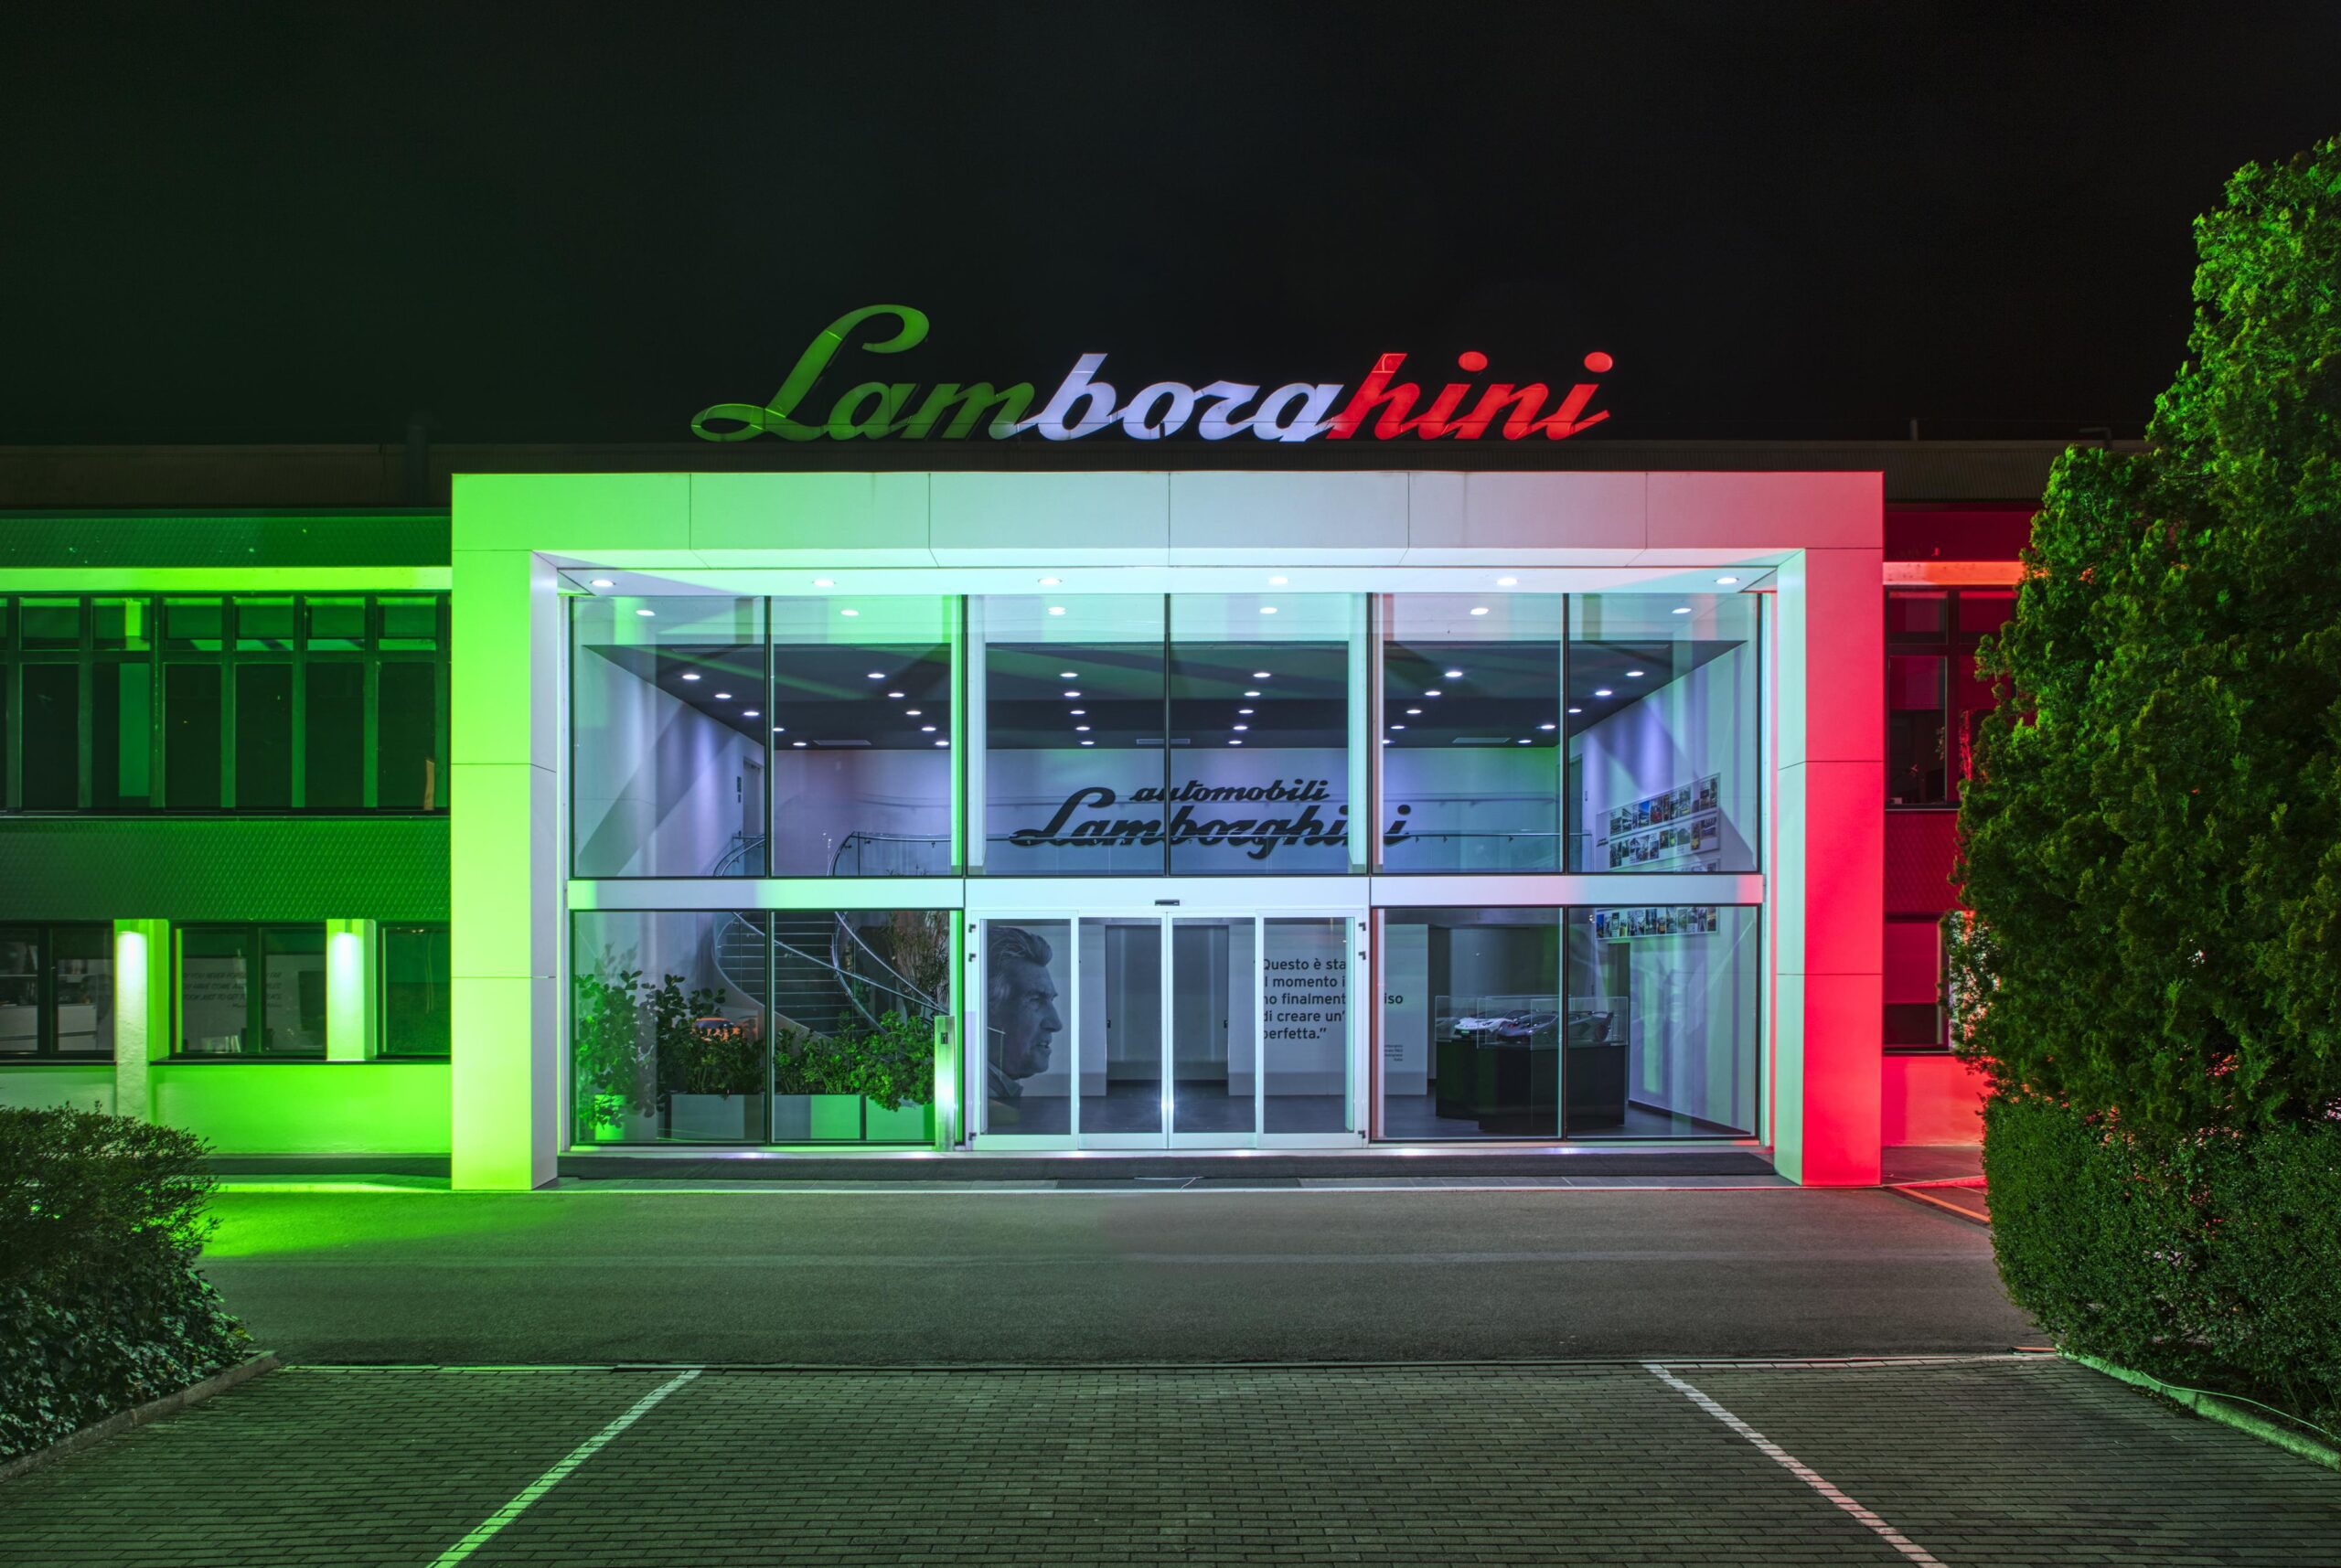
(1020, 1009)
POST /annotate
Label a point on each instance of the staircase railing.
(868, 992)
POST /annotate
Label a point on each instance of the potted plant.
(710, 1067)
(615, 1083)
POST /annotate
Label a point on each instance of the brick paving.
(1978, 1461)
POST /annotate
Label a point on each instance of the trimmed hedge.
(2213, 1261)
(100, 1308)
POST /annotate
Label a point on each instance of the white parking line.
(1797, 1468)
(553, 1478)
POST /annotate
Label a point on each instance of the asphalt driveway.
(990, 1278)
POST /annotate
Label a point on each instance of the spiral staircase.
(825, 977)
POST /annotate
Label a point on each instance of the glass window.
(1913, 984)
(1664, 729)
(415, 990)
(336, 624)
(82, 990)
(122, 625)
(1471, 1023)
(1660, 1037)
(53, 624)
(223, 1013)
(52, 735)
(264, 736)
(1916, 615)
(1028, 1057)
(860, 725)
(334, 735)
(293, 997)
(668, 720)
(1471, 741)
(410, 624)
(1258, 770)
(1071, 694)
(20, 967)
(669, 1036)
(1305, 1035)
(1914, 729)
(215, 965)
(122, 731)
(1984, 610)
(407, 771)
(264, 625)
(194, 625)
(191, 749)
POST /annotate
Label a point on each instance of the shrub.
(100, 1308)
(2209, 1261)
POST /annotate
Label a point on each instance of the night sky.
(554, 223)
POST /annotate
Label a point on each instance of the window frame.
(90, 661)
(254, 934)
(45, 991)
(383, 933)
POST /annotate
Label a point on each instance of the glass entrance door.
(1169, 1030)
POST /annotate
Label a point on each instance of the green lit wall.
(306, 1107)
(225, 867)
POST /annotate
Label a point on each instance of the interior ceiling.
(885, 697)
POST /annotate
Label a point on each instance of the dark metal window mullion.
(86, 708)
(1164, 870)
(300, 797)
(229, 629)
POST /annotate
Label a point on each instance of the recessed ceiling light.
(1268, 609)
(1068, 674)
(1235, 742)
(1259, 674)
(1505, 582)
(1634, 674)
(1070, 692)
(1081, 729)
(1279, 581)
(797, 743)
(1577, 709)
(926, 729)
(690, 675)
(848, 612)
(1386, 740)
(1397, 726)
(751, 713)
(723, 697)
(1050, 581)
(914, 714)
(1479, 609)
(1089, 742)
(1522, 742)
(646, 612)
(877, 675)
(1079, 712)
(1430, 692)
(1245, 711)
(1056, 609)
(1604, 691)
(1727, 581)
(1414, 712)
(896, 695)
(1455, 675)
(1251, 694)
(604, 582)
(1239, 726)
(1548, 726)
(1682, 609)
(824, 583)
(780, 729)
(943, 743)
